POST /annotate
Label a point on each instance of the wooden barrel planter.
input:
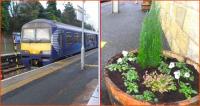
(120, 97)
(146, 5)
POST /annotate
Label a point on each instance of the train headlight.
(48, 52)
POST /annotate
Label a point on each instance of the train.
(45, 41)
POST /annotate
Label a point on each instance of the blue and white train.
(44, 41)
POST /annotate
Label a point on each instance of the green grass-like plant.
(150, 45)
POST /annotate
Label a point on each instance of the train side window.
(92, 37)
(80, 38)
(88, 37)
(76, 38)
(69, 38)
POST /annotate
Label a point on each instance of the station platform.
(60, 83)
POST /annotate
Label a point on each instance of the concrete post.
(115, 6)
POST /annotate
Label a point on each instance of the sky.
(91, 8)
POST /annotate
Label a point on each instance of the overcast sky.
(91, 8)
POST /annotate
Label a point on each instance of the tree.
(89, 26)
(69, 15)
(24, 12)
(5, 16)
(52, 12)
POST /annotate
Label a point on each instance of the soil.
(166, 97)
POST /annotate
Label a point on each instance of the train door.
(61, 43)
(85, 41)
(69, 42)
(96, 40)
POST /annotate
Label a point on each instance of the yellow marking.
(36, 48)
(103, 43)
(91, 65)
(43, 71)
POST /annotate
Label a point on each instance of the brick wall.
(180, 23)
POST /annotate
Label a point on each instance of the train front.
(36, 43)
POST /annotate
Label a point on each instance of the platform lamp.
(83, 46)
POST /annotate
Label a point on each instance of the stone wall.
(180, 23)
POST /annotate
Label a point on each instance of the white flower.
(177, 74)
(125, 53)
(187, 74)
(187, 83)
(119, 60)
(171, 65)
(131, 59)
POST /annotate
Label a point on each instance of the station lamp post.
(82, 40)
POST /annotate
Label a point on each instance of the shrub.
(150, 45)
(131, 87)
(186, 90)
(164, 68)
(147, 96)
(129, 78)
(122, 63)
(184, 70)
(159, 82)
(131, 75)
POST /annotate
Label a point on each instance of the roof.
(58, 24)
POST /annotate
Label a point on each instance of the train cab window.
(28, 34)
(69, 38)
(42, 34)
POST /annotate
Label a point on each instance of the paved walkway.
(120, 31)
(69, 85)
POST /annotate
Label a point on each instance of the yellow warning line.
(103, 43)
(91, 65)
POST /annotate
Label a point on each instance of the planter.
(118, 96)
(146, 5)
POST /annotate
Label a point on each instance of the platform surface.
(60, 87)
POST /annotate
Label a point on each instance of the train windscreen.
(36, 35)
(28, 35)
(42, 34)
